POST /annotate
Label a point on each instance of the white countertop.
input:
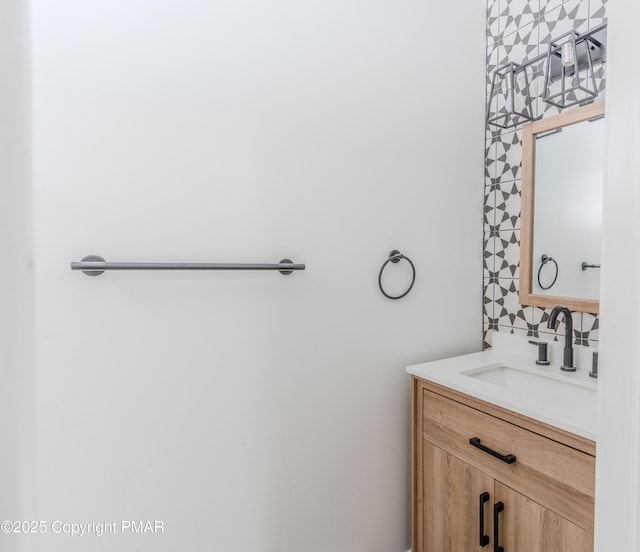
(580, 419)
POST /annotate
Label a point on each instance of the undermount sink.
(551, 388)
(505, 377)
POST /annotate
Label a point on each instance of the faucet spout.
(567, 364)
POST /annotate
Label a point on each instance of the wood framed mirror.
(562, 177)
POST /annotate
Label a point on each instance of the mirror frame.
(529, 132)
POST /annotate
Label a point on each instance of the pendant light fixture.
(572, 81)
(569, 78)
(509, 99)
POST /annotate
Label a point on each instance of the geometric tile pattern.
(516, 15)
(571, 15)
(597, 12)
(508, 156)
(519, 30)
(508, 204)
(506, 254)
(590, 326)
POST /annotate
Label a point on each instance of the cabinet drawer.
(552, 474)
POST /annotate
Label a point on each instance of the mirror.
(562, 175)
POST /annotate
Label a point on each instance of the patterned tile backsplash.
(519, 30)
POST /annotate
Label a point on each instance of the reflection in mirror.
(562, 166)
(568, 210)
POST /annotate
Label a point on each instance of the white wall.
(618, 476)
(16, 274)
(248, 411)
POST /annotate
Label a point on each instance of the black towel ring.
(543, 261)
(395, 257)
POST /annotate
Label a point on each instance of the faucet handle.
(543, 359)
(594, 367)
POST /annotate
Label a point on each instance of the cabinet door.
(525, 526)
(452, 490)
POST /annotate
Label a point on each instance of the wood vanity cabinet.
(521, 486)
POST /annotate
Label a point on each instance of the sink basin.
(578, 396)
(507, 379)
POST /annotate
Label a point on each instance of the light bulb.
(506, 83)
(568, 54)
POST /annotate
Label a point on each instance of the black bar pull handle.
(508, 458)
(497, 508)
(484, 539)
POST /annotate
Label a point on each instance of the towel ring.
(395, 257)
(543, 261)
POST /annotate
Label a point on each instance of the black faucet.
(567, 365)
